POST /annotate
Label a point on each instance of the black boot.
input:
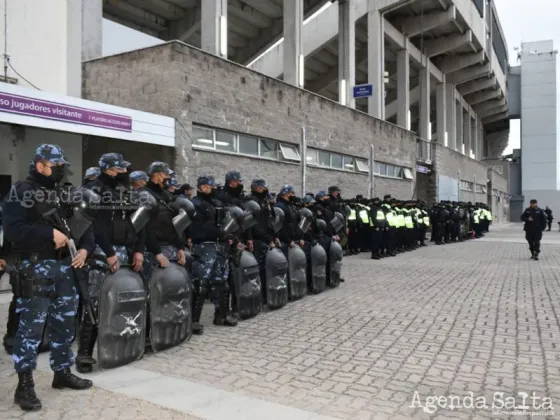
(198, 304)
(222, 317)
(88, 336)
(25, 395)
(375, 256)
(66, 379)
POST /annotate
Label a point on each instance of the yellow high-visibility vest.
(352, 215)
(364, 216)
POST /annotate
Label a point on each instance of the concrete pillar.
(92, 29)
(467, 132)
(214, 27)
(293, 43)
(403, 88)
(458, 107)
(441, 114)
(376, 60)
(451, 117)
(346, 53)
(474, 137)
(424, 125)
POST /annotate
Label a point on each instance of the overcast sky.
(524, 21)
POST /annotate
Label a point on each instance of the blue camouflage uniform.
(210, 268)
(46, 282)
(92, 173)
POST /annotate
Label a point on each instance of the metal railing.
(423, 151)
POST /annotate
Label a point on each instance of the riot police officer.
(117, 243)
(161, 239)
(232, 195)
(45, 283)
(289, 233)
(138, 179)
(91, 173)
(262, 233)
(210, 265)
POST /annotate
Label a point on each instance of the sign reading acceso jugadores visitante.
(16, 104)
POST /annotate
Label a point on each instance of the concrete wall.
(183, 82)
(452, 165)
(18, 146)
(539, 143)
(499, 204)
(44, 42)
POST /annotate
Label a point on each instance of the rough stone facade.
(192, 86)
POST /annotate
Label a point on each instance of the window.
(312, 158)
(467, 186)
(484, 189)
(324, 158)
(478, 188)
(203, 137)
(269, 149)
(248, 145)
(362, 165)
(225, 141)
(382, 169)
(348, 163)
(499, 169)
(290, 152)
(336, 161)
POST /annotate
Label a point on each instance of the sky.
(525, 21)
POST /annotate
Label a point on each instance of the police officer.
(161, 239)
(289, 233)
(172, 185)
(535, 223)
(379, 227)
(262, 233)
(138, 179)
(232, 195)
(91, 173)
(210, 265)
(45, 283)
(117, 242)
(186, 191)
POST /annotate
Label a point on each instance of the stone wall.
(180, 81)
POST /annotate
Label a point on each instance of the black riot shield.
(318, 269)
(122, 319)
(247, 282)
(335, 264)
(276, 266)
(170, 306)
(297, 272)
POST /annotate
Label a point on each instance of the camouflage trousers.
(150, 262)
(210, 269)
(56, 297)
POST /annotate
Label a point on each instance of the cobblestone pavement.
(476, 317)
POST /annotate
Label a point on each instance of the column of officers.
(391, 226)
(125, 262)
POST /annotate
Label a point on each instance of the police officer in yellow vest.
(353, 234)
(423, 222)
(364, 228)
(379, 225)
(389, 234)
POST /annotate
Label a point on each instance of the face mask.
(58, 172)
(166, 182)
(121, 177)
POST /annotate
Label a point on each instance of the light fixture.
(223, 36)
(445, 139)
(207, 141)
(309, 158)
(342, 92)
(301, 70)
(222, 143)
(349, 165)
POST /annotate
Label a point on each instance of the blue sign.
(422, 169)
(363, 91)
